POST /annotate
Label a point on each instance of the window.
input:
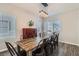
(38, 26)
(49, 25)
(7, 26)
(7, 30)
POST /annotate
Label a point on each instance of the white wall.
(70, 27)
(70, 24)
(22, 18)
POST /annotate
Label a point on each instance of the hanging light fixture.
(43, 14)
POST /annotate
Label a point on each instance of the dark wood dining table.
(29, 44)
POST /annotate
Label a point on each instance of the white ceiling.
(53, 8)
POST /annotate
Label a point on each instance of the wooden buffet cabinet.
(29, 32)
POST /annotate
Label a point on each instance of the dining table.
(29, 44)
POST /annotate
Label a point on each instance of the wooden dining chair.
(13, 51)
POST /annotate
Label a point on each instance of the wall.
(22, 18)
(70, 27)
(70, 24)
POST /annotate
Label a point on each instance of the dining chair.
(43, 49)
(38, 51)
(13, 51)
(54, 41)
(55, 35)
(47, 47)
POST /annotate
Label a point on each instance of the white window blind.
(7, 29)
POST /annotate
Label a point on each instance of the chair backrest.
(46, 46)
(42, 43)
(11, 49)
(55, 36)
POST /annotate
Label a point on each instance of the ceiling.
(53, 8)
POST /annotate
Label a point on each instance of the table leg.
(29, 53)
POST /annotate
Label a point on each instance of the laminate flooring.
(62, 50)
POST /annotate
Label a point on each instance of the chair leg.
(51, 49)
(18, 49)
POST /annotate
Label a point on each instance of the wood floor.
(68, 49)
(63, 50)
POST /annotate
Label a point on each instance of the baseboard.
(5, 49)
(69, 43)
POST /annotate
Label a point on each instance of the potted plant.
(31, 23)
